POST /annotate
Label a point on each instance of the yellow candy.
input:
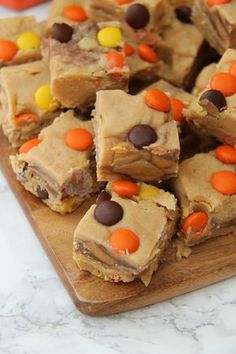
(109, 37)
(45, 100)
(28, 40)
(147, 191)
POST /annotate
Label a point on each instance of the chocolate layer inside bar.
(79, 184)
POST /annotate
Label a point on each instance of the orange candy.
(75, 13)
(29, 145)
(8, 50)
(147, 53)
(24, 118)
(217, 2)
(157, 100)
(129, 50)
(79, 139)
(225, 83)
(224, 182)
(123, 2)
(195, 222)
(177, 108)
(124, 241)
(125, 188)
(232, 68)
(226, 154)
(115, 60)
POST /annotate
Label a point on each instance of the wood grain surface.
(210, 262)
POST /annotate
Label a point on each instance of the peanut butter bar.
(214, 112)
(84, 58)
(58, 169)
(20, 116)
(121, 239)
(206, 188)
(20, 39)
(136, 17)
(186, 56)
(132, 139)
(217, 23)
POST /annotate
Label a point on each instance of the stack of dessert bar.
(132, 100)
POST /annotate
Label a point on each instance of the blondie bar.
(84, 58)
(124, 235)
(214, 112)
(58, 166)
(26, 102)
(135, 136)
(206, 188)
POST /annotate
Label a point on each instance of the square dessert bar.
(84, 58)
(216, 22)
(214, 111)
(135, 16)
(58, 166)
(186, 57)
(26, 102)
(206, 188)
(124, 235)
(135, 136)
(20, 39)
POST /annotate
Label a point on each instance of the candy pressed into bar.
(26, 101)
(206, 189)
(84, 58)
(58, 166)
(124, 235)
(135, 136)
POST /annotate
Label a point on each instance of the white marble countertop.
(37, 315)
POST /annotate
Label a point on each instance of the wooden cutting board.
(209, 263)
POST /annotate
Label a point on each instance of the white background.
(38, 317)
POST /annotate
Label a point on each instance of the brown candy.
(183, 13)
(142, 135)
(83, 115)
(137, 16)
(42, 193)
(108, 213)
(62, 32)
(102, 197)
(215, 97)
